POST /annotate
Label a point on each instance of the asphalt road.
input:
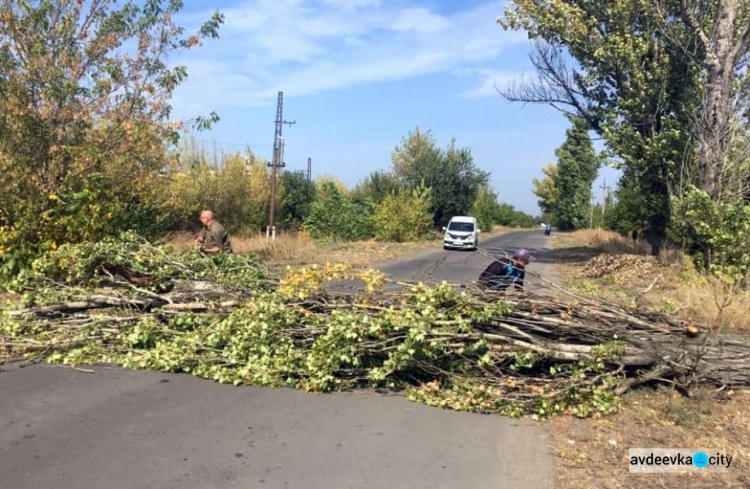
(464, 266)
(114, 428)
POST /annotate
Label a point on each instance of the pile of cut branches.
(625, 267)
(228, 318)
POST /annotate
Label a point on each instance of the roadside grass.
(592, 453)
(680, 289)
(601, 241)
(299, 249)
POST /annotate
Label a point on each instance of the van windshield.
(466, 227)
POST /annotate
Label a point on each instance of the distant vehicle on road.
(461, 233)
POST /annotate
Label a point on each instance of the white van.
(461, 232)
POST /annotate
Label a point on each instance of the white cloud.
(492, 82)
(419, 20)
(304, 47)
(352, 4)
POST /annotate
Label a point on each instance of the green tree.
(717, 234)
(376, 187)
(297, 195)
(325, 182)
(634, 85)
(417, 149)
(335, 217)
(523, 220)
(486, 209)
(547, 189)
(450, 174)
(506, 215)
(628, 213)
(84, 92)
(577, 167)
(238, 193)
(404, 216)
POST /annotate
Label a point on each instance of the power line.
(224, 143)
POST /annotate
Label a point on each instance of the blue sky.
(359, 75)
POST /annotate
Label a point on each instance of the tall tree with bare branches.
(608, 63)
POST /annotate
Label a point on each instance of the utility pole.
(591, 219)
(309, 169)
(604, 188)
(276, 163)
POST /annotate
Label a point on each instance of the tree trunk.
(725, 47)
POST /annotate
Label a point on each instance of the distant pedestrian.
(504, 273)
(548, 229)
(213, 238)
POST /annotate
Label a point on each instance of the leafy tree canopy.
(451, 175)
(84, 105)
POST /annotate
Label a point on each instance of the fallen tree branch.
(647, 289)
(488, 351)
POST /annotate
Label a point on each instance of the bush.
(238, 193)
(88, 209)
(335, 217)
(84, 121)
(297, 195)
(717, 235)
(486, 209)
(404, 216)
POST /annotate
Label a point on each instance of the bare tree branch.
(557, 84)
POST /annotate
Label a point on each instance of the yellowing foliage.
(305, 281)
(238, 193)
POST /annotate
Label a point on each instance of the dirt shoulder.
(593, 453)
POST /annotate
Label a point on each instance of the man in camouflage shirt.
(213, 238)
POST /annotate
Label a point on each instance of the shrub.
(404, 216)
(335, 217)
(238, 193)
(717, 235)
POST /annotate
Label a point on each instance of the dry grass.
(704, 299)
(679, 290)
(593, 453)
(606, 241)
(299, 249)
(285, 247)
